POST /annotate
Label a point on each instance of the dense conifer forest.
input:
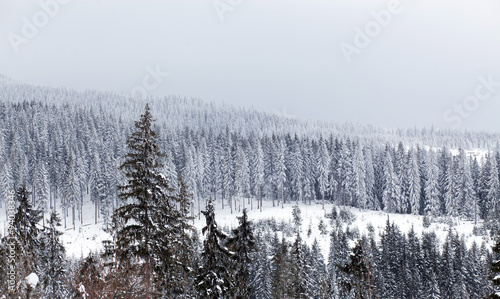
(150, 171)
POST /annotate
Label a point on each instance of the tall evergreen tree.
(281, 270)
(432, 203)
(359, 182)
(257, 172)
(317, 277)
(242, 244)
(300, 280)
(214, 279)
(493, 195)
(322, 166)
(242, 175)
(52, 260)
(261, 271)
(495, 271)
(392, 191)
(338, 257)
(182, 268)
(467, 195)
(450, 189)
(146, 226)
(27, 232)
(413, 179)
(359, 272)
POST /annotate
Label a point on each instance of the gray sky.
(390, 63)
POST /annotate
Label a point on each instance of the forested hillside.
(59, 146)
(65, 151)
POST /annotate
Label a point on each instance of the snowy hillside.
(87, 237)
(178, 113)
(66, 158)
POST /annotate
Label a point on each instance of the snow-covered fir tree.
(53, 260)
(242, 244)
(213, 278)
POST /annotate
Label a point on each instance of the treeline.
(63, 153)
(176, 113)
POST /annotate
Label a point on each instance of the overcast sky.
(388, 63)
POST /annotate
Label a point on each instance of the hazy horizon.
(385, 63)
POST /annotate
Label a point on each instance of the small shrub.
(479, 230)
(346, 216)
(426, 221)
(322, 227)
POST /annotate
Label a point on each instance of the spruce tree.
(213, 279)
(338, 257)
(146, 226)
(322, 167)
(261, 271)
(359, 272)
(318, 276)
(52, 260)
(495, 271)
(281, 270)
(27, 233)
(242, 244)
(493, 195)
(359, 177)
(181, 280)
(392, 191)
(299, 269)
(413, 180)
(431, 189)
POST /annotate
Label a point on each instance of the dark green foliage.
(359, 272)
(149, 225)
(52, 260)
(339, 256)
(495, 271)
(214, 279)
(25, 235)
(299, 270)
(261, 271)
(26, 230)
(297, 218)
(242, 244)
(281, 270)
(317, 280)
(181, 280)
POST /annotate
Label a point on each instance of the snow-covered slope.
(87, 236)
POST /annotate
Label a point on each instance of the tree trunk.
(231, 203)
(475, 217)
(274, 196)
(282, 195)
(64, 215)
(223, 195)
(54, 198)
(95, 212)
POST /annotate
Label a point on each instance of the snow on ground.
(312, 215)
(477, 153)
(87, 237)
(32, 280)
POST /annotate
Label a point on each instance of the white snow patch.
(32, 280)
